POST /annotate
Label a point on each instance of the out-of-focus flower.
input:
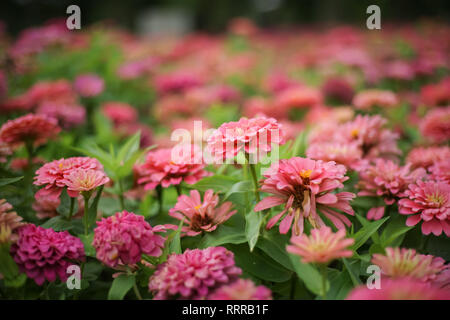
(194, 274)
(242, 289)
(5, 151)
(367, 99)
(89, 85)
(293, 98)
(17, 103)
(429, 202)
(31, 128)
(399, 69)
(254, 136)
(119, 113)
(436, 94)
(348, 154)
(44, 254)
(178, 81)
(21, 164)
(122, 239)
(436, 125)
(322, 246)
(388, 180)
(426, 157)
(10, 222)
(400, 289)
(171, 166)
(304, 187)
(242, 27)
(83, 181)
(135, 69)
(3, 85)
(403, 262)
(440, 171)
(59, 92)
(338, 89)
(259, 105)
(68, 116)
(201, 215)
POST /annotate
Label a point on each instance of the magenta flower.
(322, 246)
(44, 254)
(429, 202)
(242, 289)
(304, 187)
(84, 181)
(436, 125)
(194, 274)
(201, 215)
(89, 85)
(122, 239)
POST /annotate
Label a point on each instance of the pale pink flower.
(429, 202)
(242, 289)
(254, 136)
(400, 289)
(436, 125)
(426, 157)
(367, 99)
(194, 274)
(322, 246)
(348, 154)
(89, 85)
(201, 216)
(119, 113)
(84, 181)
(441, 171)
(304, 187)
(123, 238)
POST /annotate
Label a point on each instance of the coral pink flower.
(302, 97)
(256, 106)
(68, 116)
(124, 238)
(304, 187)
(387, 180)
(436, 125)
(167, 167)
(436, 94)
(194, 274)
(44, 254)
(119, 113)
(59, 92)
(242, 289)
(367, 99)
(348, 154)
(10, 222)
(402, 262)
(53, 175)
(338, 89)
(426, 157)
(429, 202)
(177, 81)
(36, 129)
(254, 136)
(441, 171)
(322, 246)
(89, 85)
(201, 215)
(81, 180)
(400, 289)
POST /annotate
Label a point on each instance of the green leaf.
(395, 229)
(368, 229)
(6, 181)
(87, 242)
(351, 271)
(308, 274)
(64, 205)
(222, 235)
(129, 148)
(57, 223)
(340, 284)
(120, 286)
(239, 187)
(275, 247)
(175, 244)
(93, 208)
(252, 227)
(218, 183)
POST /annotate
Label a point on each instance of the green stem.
(254, 177)
(86, 214)
(323, 272)
(136, 291)
(159, 192)
(72, 205)
(178, 188)
(121, 198)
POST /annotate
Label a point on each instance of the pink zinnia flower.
(177, 81)
(29, 128)
(119, 113)
(10, 222)
(304, 186)
(402, 262)
(338, 89)
(300, 97)
(367, 99)
(46, 207)
(68, 116)
(124, 238)
(5, 151)
(441, 171)
(322, 246)
(81, 180)
(436, 94)
(429, 202)
(242, 289)
(44, 254)
(89, 85)
(400, 289)
(436, 125)
(348, 154)
(59, 91)
(426, 157)
(256, 106)
(387, 180)
(201, 215)
(160, 169)
(254, 136)
(194, 274)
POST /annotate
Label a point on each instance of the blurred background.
(180, 16)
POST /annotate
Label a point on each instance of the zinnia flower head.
(44, 254)
(162, 168)
(429, 202)
(201, 215)
(304, 186)
(426, 157)
(440, 171)
(9, 223)
(367, 99)
(119, 113)
(403, 262)
(348, 154)
(298, 97)
(339, 89)
(242, 289)
(89, 85)
(81, 180)
(124, 238)
(68, 116)
(400, 289)
(254, 136)
(322, 246)
(436, 125)
(36, 129)
(194, 274)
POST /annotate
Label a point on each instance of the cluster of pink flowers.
(123, 238)
(304, 187)
(44, 254)
(242, 289)
(194, 274)
(436, 125)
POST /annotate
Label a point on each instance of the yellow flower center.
(305, 173)
(354, 133)
(198, 207)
